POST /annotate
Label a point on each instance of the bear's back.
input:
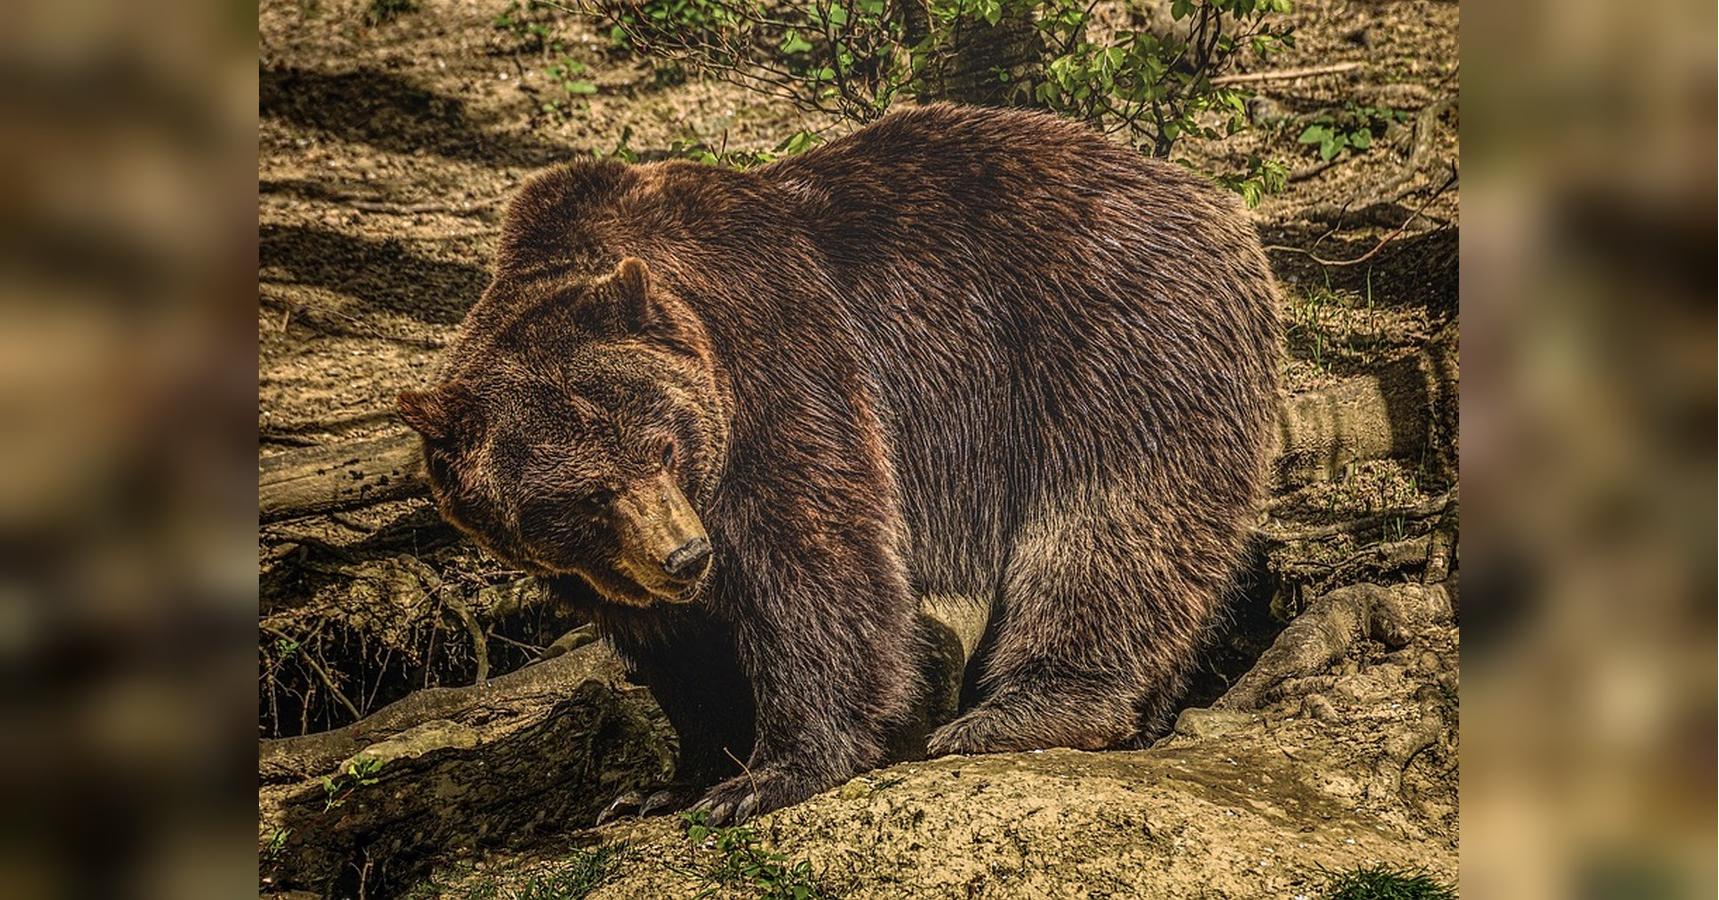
(1092, 300)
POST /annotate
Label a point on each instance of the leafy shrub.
(1154, 84)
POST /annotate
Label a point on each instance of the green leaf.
(1315, 134)
(792, 43)
(1361, 140)
(580, 88)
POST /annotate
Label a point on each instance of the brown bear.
(753, 416)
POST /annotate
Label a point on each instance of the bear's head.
(580, 433)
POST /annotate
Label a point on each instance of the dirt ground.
(385, 152)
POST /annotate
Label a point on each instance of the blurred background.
(1588, 450)
(128, 538)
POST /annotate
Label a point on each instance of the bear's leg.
(826, 631)
(687, 661)
(1105, 600)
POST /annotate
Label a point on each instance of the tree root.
(1330, 627)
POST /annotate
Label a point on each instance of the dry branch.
(1286, 74)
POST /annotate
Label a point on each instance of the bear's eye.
(600, 497)
(668, 454)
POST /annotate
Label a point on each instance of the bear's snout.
(689, 560)
(663, 546)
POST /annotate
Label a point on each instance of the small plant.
(566, 73)
(1261, 177)
(696, 151)
(1381, 882)
(581, 874)
(275, 844)
(1312, 320)
(1352, 129)
(358, 772)
(380, 11)
(531, 24)
(741, 860)
(571, 878)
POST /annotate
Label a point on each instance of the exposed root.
(1330, 627)
(480, 646)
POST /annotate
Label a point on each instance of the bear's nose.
(687, 559)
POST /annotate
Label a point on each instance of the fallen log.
(338, 477)
(1406, 410)
(354, 810)
(1403, 412)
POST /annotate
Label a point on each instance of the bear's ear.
(636, 307)
(634, 278)
(439, 413)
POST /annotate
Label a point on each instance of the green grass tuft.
(1380, 882)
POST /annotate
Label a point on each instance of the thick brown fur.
(962, 352)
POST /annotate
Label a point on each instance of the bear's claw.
(633, 804)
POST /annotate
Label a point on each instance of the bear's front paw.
(641, 804)
(755, 793)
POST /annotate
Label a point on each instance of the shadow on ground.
(391, 113)
(381, 276)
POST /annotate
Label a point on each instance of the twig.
(327, 680)
(1382, 241)
(743, 767)
(410, 209)
(1315, 169)
(520, 644)
(1425, 510)
(1286, 74)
